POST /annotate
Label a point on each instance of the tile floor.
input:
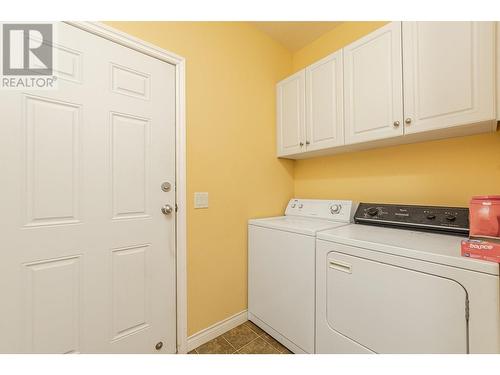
(247, 338)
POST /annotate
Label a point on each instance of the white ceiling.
(295, 35)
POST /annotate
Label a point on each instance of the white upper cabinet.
(373, 86)
(291, 131)
(324, 103)
(449, 74)
(405, 82)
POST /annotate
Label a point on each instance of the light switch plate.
(201, 200)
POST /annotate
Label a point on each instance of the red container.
(484, 216)
(484, 250)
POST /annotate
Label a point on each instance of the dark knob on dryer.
(372, 211)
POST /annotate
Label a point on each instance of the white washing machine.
(281, 268)
(388, 288)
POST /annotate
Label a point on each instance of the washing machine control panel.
(433, 218)
(336, 210)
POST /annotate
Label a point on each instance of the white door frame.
(119, 37)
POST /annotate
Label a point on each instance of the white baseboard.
(217, 329)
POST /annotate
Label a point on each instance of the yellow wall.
(232, 69)
(446, 172)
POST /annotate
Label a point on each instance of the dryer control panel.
(429, 218)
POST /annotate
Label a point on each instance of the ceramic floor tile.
(274, 343)
(240, 336)
(247, 338)
(216, 346)
(258, 346)
(254, 327)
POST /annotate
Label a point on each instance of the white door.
(88, 261)
(373, 86)
(389, 309)
(291, 132)
(449, 74)
(324, 103)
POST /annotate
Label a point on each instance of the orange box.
(480, 249)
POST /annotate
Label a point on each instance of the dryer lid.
(437, 248)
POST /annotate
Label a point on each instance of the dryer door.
(389, 309)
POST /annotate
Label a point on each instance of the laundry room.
(275, 184)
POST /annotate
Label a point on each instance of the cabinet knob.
(396, 124)
(408, 121)
(301, 144)
(307, 142)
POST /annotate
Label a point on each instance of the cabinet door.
(291, 114)
(449, 74)
(373, 86)
(324, 103)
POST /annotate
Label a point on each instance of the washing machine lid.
(431, 247)
(295, 224)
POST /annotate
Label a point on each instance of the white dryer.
(385, 289)
(281, 268)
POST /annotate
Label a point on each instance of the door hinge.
(467, 309)
(176, 208)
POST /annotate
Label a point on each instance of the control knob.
(372, 211)
(335, 208)
(450, 217)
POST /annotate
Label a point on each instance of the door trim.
(119, 37)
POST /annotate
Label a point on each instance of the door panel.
(389, 309)
(324, 109)
(89, 260)
(53, 289)
(130, 290)
(448, 74)
(291, 114)
(52, 143)
(130, 82)
(373, 86)
(131, 157)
